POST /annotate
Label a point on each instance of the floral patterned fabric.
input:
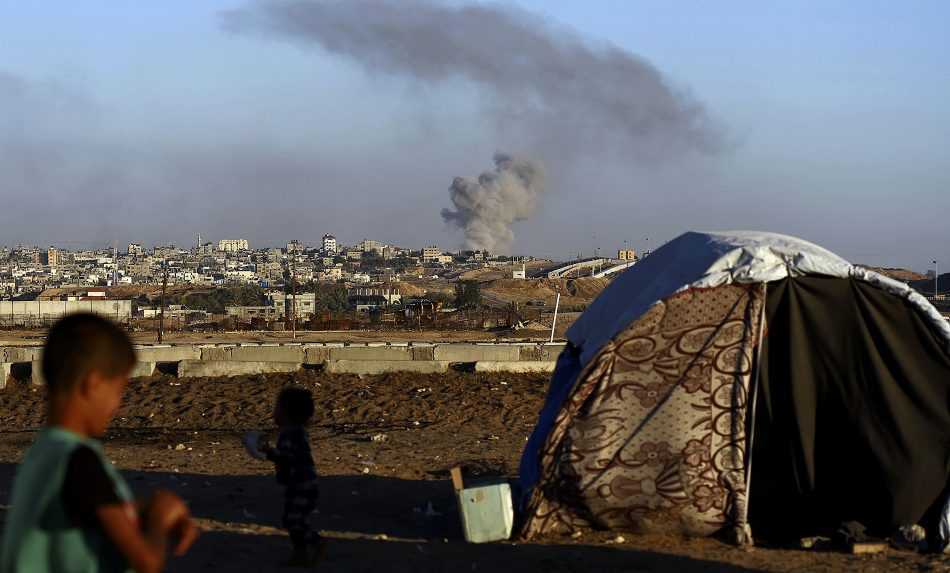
(653, 436)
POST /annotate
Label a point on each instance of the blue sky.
(834, 114)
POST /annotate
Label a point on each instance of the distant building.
(332, 274)
(305, 306)
(368, 246)
(165, 252)
(249, 313)
(367, 298)
(329, 244)
(233, 245)
(519, 274)
(431, 254)
(136, 250)
(354, 255)
(294, 246)
(52, 257)
(627, 255)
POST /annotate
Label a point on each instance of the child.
(71, 510)
(296, 472)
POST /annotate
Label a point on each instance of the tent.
(743, 378)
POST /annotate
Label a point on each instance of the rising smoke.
(487, 206)
(546, 80)
(552, 94)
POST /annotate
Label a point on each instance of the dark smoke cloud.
(487, 206)
(551, 88)
(550, 93)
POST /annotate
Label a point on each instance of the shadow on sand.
(373, 523)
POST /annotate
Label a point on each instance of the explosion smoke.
(552, 93)
(486, 207)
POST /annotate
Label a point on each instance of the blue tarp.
(562, 382)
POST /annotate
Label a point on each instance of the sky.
(152, 122)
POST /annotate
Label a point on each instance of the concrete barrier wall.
(354, 358)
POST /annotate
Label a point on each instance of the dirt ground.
(386, 505)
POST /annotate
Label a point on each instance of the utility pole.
(161, 309)
(293, 301)
(936, 279)
(557, 305)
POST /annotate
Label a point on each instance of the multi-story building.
(284, 303)
(368, 298)
(294, 246)
(165, 252)
(52, 257)
(329, 244)
(332, 274)
(368, 246)
(431, 254)
(233, 245)
(135, 250)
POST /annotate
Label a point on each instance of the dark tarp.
(853, 410)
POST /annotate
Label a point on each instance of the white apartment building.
(329, 244)
(232, 245)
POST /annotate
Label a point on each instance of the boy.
(296, 472)
(71, 510)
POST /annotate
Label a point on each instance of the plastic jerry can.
(485, 509)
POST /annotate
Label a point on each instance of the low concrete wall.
(201, 368)
(168, 353)
(142, 369)
(21, 354)
(375, 353)
(542, 352)
(194, 360)
(36, 373)
(267, 353)
(476, 352)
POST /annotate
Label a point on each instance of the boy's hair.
(82, 343)
(297, 404)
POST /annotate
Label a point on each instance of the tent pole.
(557, 304)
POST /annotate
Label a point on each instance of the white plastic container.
(485, 509)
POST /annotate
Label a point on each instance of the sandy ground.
(375, 494)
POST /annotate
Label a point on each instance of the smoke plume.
(487, 206)
(551, 93)
(549, 89)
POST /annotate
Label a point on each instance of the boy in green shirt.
(71, 511)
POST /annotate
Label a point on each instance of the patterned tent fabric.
(653, 436)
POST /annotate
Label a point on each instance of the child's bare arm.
(145, 546)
